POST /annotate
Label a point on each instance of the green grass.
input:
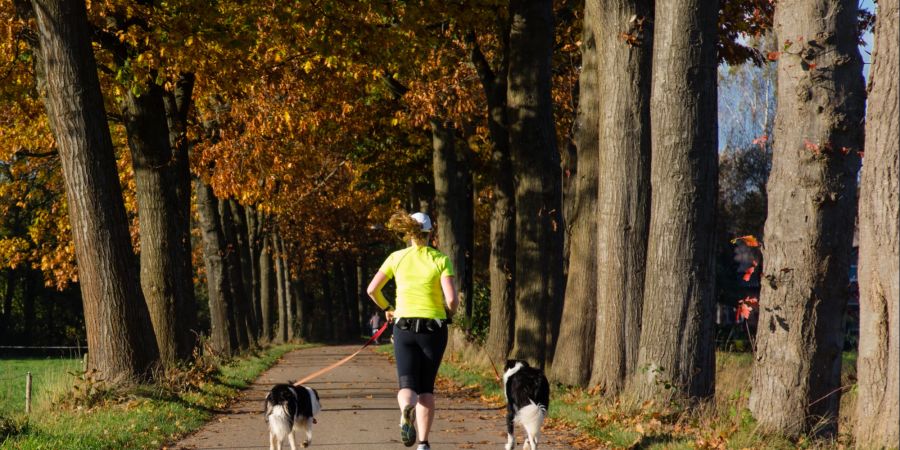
(47, 375)
(145, 417)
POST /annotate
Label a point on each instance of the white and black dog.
(287, 407)
(527, 398)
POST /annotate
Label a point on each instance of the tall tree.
(178, 103)
(223, 338)
(676, 346)
(572, 361)
(536, 166)
(266, 280)
(878, 366)
(454, 210)
(625, 45)
(232, 257)
(501, 263)
(161, 252)
(120, 335)
(809, 226)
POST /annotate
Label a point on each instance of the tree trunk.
(623, 202)
(809, 226)
(28, 297)
(351, 289)
(327, 301)
(453, 207)
(241, 238)
(177, 104)
(157, 201)
(288, 293)
(362, 299)
(281, 334)
(537, 171)
(676, 346)
(267, 285)
(878, 366)
(572, 361)
(254, 248)
(501, 264)
(232, 257)
(222, 337)
(120, 335)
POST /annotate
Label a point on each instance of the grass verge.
(148, 416)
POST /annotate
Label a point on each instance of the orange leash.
(494, 366)
(348, 358)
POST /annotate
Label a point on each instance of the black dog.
(289, 406)
(527, 398)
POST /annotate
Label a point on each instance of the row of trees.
(293, 129)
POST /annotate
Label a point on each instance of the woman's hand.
(389, 315)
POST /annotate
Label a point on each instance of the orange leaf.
(748, 240)
(749, 272)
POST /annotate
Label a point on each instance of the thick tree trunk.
(501, 264)
(240, 302)
(177, 104)
(222, 338)
(878, 366)
(157, 203)
(537, 171)
(676, 346)
(623, 202)
(267, 285)
(453, 207)
(120, 335)
(809, 226)
(572, 362)
(281, 334)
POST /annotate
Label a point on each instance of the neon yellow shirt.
(417, 270)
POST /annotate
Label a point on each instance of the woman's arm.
(374, 291)
(449, 294)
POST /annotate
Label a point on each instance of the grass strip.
(148, 416)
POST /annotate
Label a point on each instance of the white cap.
(423, 219)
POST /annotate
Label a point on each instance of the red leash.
(348, 358)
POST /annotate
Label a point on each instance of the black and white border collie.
(287, 407)
(527, 398)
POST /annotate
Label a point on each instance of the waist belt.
(421, 325)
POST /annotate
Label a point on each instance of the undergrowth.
(93, 414)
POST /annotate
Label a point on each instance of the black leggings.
(418, 357)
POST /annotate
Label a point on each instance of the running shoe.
(424, 446)
(408, 426)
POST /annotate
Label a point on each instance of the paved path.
(359, 410)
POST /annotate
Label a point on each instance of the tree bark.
(878, 366)
(241, 238)
(232, 257)
(177, 104)
(8, 295)
(351, 288)
(252, 219)
(223, 337)
(623, 203)
(809, 225)
(120, 335)
(288, 292)
(501, 264)
(572, 361)
(362, 299)
(267, 284)
(281, 334)
(537, 175)
(453, 207)
(676, 346)
(157, 203)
